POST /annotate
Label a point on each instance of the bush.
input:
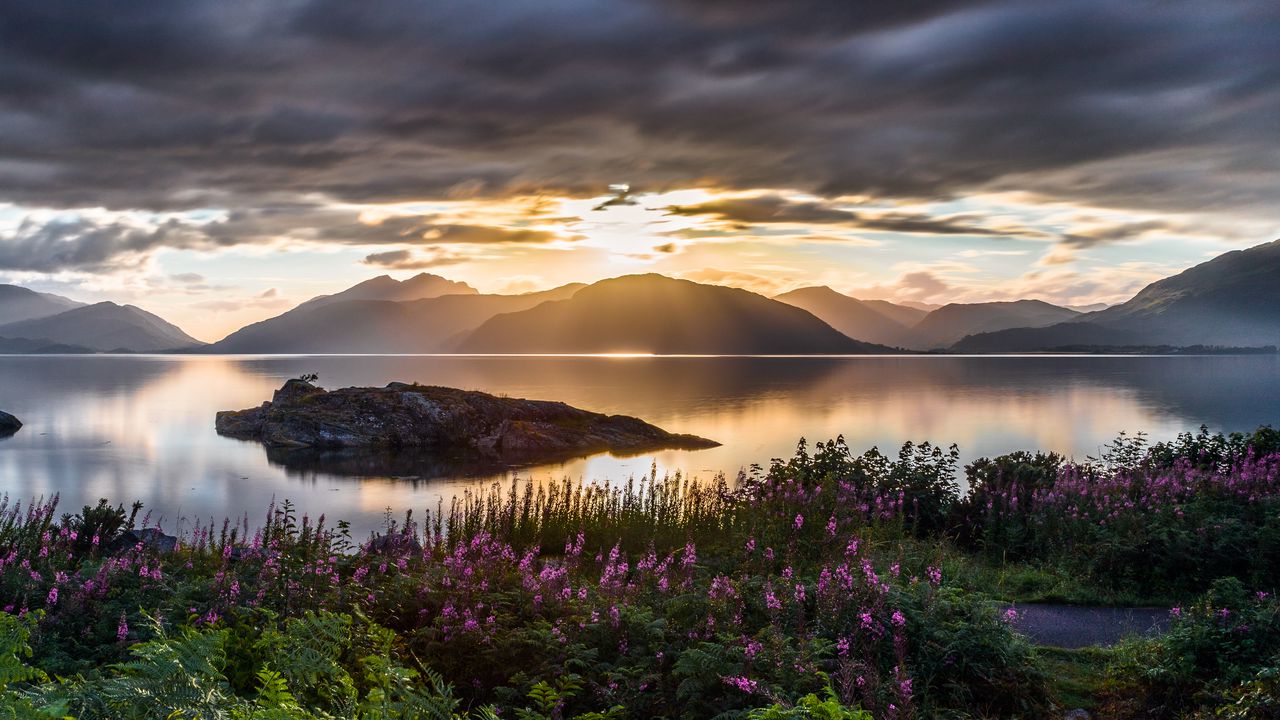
(1221, 656)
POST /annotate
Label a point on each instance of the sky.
(218, 161)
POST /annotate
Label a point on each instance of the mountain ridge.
(651, 313)
(1231, 300)
(104, 327)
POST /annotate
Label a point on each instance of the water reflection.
(142, 427)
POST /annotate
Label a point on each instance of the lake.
(141, 427)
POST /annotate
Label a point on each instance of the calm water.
(142, 426)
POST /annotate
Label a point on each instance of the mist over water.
(141, 427)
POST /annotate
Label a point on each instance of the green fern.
(306, 657)
(14, 635)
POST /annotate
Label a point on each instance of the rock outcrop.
(441, 420)
(9, 424)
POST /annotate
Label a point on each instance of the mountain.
(949, 323)
(905, 314)
(853, 317)
(378, 326)
(1092, 307)
(104, 327)
(1232, 300)
(1077, 334)
(18, 303)
(385, 287)
(922, 306)
(656, 314)
(38, 346)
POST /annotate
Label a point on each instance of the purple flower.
(744, 684)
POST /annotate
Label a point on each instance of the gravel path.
(1074, 626)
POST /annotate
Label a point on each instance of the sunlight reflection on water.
(126, 427)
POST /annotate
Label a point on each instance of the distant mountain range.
(875, 321)
(431, 325)
(950, 323)
(19, 303)
(907, 327)
(1230, 301)
(385, 287)
(661, 315)
(104, 327)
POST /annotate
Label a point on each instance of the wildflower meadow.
(828, 585)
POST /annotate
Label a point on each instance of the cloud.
(90, 246)
(775, 209)
(219, 103)
(1103, 234)
(269, 299)
(764, 285)
(410, 260)
(921, 286)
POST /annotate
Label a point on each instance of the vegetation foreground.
(831, 585)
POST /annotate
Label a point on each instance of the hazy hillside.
(1231, 300)
(853, 317)
(379, 326)
(949, 323)
(1077, 334)
(385, 287)
(657, 314)
(38, 346)
(18, 303)
(907, 315)
(103, 327)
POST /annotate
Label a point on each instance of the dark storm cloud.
(216, 103)
(1103, 235)
(768, 209)
(409, 260)
(87, 245)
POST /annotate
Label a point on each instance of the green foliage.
(1222, 653)
(303, 677)
(813, 589)
(811, 707)
(1214, 451)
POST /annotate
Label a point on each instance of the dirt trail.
(1074, 626)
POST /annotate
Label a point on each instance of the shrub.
(1221, 655)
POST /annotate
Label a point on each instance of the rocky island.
(451, 422)
(8, 424)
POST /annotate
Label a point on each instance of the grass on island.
(829, 585)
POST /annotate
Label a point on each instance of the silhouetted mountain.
(385, 287)
(657, 314)
(1092, 307)
(38, 346)
(922, 306)
(853, 317)
(104, 327)
(1231, 300)
(906, 315)
(949, 323)
(18, 304)
(379, 326)
(1059, 336)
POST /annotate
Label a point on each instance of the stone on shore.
(8, 424)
